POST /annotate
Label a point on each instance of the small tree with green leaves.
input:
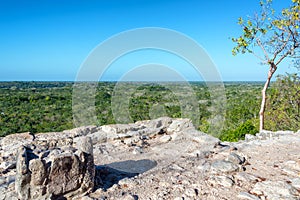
(283, 106)
(272, 37)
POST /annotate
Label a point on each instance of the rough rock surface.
(157, 159)
(54, 173)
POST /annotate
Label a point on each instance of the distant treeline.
(47, 106)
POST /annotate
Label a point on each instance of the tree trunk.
(272, 70)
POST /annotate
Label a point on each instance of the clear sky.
(50, 39)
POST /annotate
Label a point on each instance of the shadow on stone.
(110, 174)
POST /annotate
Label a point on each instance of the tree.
(284, 104)
(272, 37)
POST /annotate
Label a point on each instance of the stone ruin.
(55, 173)
(154, 159)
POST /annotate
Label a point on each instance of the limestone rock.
(165, 138)
(38, 172)
(56, 174)
(190, 192)
(246, 195)
(23, 175)
(160, 123)
(246, 177)
(200, 137)
(224, 166)
(130, 197)
(296, 183)
(11, 143)
(275, 190)
(81, 131)
(235, 158)
(5, 166)
(98, 137)
(178, 125)
(222, 181)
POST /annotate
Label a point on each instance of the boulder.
(57, 173)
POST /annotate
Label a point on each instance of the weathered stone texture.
(55, 173)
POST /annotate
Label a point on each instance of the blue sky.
(50, 39)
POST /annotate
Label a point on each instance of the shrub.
(240, 132)
(283, 106)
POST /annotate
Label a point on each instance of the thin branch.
(295, 46)
(295, 41)
(259, 57)
(263, 48)
(284, 55)
(282, 47)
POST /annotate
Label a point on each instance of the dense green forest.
(47, 106)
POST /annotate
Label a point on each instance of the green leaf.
(240, 21)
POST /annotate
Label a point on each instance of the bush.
(283, 106)
(240, 132)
